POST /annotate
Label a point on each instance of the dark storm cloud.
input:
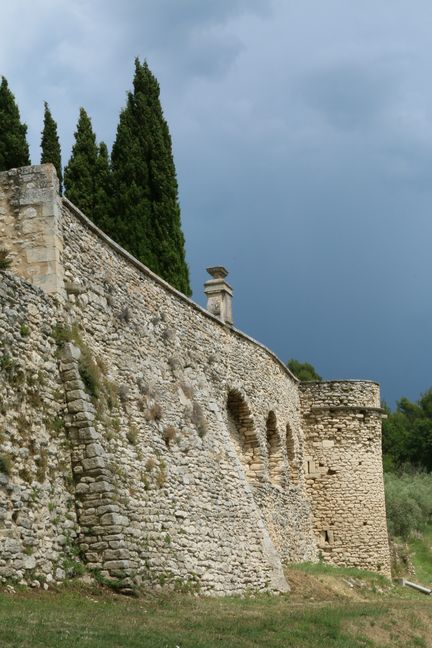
(188, 35)
(350, 95)
(302, 134)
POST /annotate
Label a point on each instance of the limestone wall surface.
(38, 526)
(343, 472)
(30, 225)
(187, 460)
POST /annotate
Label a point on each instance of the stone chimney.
(219, 294)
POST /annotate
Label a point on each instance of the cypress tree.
(102, 191)
(14, 150)
(145, 190)
(79, 175)
(50, 144)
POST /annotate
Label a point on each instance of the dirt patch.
(400, 627)
(324, 587)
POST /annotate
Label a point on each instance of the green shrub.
(26, 475)
(408, 503)
(132, 434)
(89, 372)
(199, 420)
(41, 465)
(55, 425)
(169, 435)
(153, 413)
(24, 330)
(7, 363)
(61, 335)
(5, 261)
(162, 474)
(5, 464)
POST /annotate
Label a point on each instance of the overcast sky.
(302, 134)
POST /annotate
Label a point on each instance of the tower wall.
(343, 472)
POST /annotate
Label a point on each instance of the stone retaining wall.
(38, 523)
(184, 473)
(187, 439)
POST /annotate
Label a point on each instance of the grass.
(421, 556)
(344, 572)
(91, 617)
(93, 621)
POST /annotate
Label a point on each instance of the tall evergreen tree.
(102, 192)
(145, 190)
(50, 144)
(79, 175)
(14, 150)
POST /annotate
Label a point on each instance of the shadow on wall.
(241, 427)
(274, 449)
(292, 451)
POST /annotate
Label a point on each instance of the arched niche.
(242, 429)
(274, 450)
(292, 452)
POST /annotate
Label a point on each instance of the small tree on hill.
(79, 175)
(50, 144)
(407, 434)
(14, 151)
(145, 191)
(303, 370)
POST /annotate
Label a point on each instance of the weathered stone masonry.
(343, 471)
(182, 455)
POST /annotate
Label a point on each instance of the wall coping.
(149, 273)
(307, 383)
(154, 277)
(65, 202)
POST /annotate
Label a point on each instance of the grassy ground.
(421, 556)
(326, 609)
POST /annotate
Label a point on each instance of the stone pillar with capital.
(219, 294)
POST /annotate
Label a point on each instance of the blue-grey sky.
(302, 135)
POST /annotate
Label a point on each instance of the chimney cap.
(218, 272)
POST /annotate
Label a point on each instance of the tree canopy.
(134, 195)
(303, 370)
(50, 144)
(407, 434)
(79, 175)
(102, 190)
(145, 208)
(14, 150)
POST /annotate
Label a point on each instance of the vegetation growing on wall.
(5, 260)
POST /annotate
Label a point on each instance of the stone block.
(113, 519)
